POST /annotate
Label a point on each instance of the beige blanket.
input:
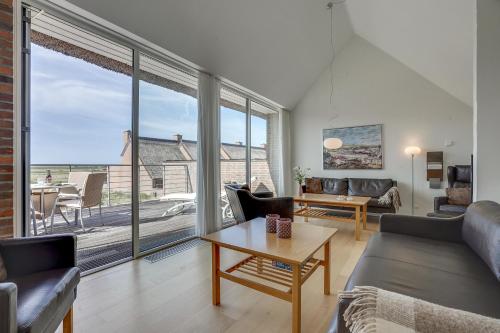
(391, 197)
(374, 310)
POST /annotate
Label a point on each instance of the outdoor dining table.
(42, 188)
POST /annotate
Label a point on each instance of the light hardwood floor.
(174, 295)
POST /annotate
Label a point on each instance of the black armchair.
(40, 289)
(459, 176)
(247, 206)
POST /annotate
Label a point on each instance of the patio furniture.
(90, 196)
(41, 283)
(186, 201)
(39, 213)
(42, 191)
(77, 178)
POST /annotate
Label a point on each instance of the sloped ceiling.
(433, 37)
(276, 48)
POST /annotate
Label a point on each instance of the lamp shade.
(332, 143)
(413, 150)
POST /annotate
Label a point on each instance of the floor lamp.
(412, 150)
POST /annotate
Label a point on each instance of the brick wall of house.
(6, 119)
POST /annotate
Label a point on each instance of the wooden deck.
(108, 237)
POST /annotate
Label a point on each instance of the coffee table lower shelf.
(261, 268)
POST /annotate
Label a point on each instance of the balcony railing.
(155, 180)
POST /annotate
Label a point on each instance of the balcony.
(107, 236)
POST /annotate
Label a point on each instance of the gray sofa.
(364, 187)
(453, 262)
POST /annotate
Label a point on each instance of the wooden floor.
(174, 295)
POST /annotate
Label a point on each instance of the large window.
(168, 118)
(81, 94)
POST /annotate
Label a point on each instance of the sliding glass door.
(167, 144)
(80, 98)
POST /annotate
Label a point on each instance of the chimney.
(126, 137)
(178, 138)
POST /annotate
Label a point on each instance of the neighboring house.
(169, 166)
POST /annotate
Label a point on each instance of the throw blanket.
(391, 197)
(374, 310)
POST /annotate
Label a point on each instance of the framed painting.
(361, 148)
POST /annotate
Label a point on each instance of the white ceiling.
(433, 37)
(275, 48)
(279, 48)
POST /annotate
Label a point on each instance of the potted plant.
(300, 176)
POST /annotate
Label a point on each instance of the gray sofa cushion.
(334, 186)
(453, 209)
(445, 273)
(481, 231)
(369, 187)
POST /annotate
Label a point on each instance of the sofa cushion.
(445, 273)
(313, 185)
(334, 186)
(369, 187)
(42, 298)
(481, 231)
(453, 209)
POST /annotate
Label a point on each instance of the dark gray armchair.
(459, 176)
(247, 206)
(40, 289)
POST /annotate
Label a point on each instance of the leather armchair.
(459, 176)
(40, 289)
(247, 206)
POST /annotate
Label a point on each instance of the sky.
(361, 135)
(79, 112)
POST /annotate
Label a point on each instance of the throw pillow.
(3, 271)
(459, 196)
(313, 185)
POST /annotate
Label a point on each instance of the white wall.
(487, 106)
(370, 87)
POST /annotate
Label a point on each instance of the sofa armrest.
(438, 201)
(445, 229)
(23, 256)
(337, 324)
(8, 307)
(259, 207)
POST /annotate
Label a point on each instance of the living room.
(235, 166)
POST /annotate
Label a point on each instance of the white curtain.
(209, 217)
(285, 184)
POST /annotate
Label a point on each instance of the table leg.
(365, 210)
(215, 274)
(326, 269)
(296, 298)
(357, 223)
(259, 264)
(42, 209)
(306, 207)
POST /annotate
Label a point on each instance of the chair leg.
(63, 215)
(100, 215)
(80, 215)
(90, 212)
(68, 321)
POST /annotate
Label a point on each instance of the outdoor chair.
(49, 200)
(77, 178)
(91, 195)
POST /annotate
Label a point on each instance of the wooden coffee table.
(359, 204)
(257, 271)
